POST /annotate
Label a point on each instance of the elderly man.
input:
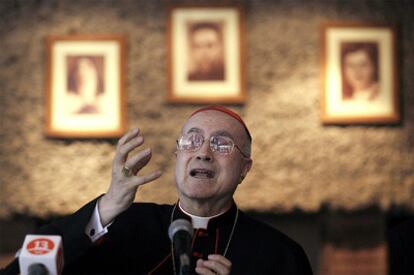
(113, 235)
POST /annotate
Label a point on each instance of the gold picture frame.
(359, 74)
(205, 55)
(85, 86)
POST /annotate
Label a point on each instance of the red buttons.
(202, 233)
(197, 254)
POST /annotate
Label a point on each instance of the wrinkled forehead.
(215, 122)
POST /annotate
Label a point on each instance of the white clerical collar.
(197, 221)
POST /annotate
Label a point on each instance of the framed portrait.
(85, 86)
(205, 51)
(359, 74)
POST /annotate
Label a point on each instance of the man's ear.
(246, 168)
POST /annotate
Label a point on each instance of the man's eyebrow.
(216, 133)
(223, 133)
(194, 130)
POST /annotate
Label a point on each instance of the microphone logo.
(40, 246)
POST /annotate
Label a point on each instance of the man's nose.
(205, 153)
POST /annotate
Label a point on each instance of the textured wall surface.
(298, 163)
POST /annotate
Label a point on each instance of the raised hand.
(125, 181)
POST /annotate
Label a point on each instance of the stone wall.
(298, 162)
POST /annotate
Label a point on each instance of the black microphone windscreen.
(38, 269)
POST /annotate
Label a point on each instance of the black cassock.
(401, 248)
(137, 243)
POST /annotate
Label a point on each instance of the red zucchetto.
(225, 111)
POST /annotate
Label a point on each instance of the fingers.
(130, 145)
(128, 135)
(136, 162)
(221, 259)
(126, 144)
(137, 181)
(131, 140)
(216, 264)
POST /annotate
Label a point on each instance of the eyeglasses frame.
(204, 139)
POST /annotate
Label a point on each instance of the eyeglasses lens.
(193, 141)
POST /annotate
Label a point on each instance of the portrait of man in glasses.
(113, 235)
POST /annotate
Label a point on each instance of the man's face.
(206, 49)
(206, 175)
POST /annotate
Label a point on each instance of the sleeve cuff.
(94, 228)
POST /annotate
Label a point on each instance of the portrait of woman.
(359, 70)
(85, 85)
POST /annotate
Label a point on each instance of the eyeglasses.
(221, 144)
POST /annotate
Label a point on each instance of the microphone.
(37, 269)
(180, 233)
(41, 255)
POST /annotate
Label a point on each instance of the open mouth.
(202, 173)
